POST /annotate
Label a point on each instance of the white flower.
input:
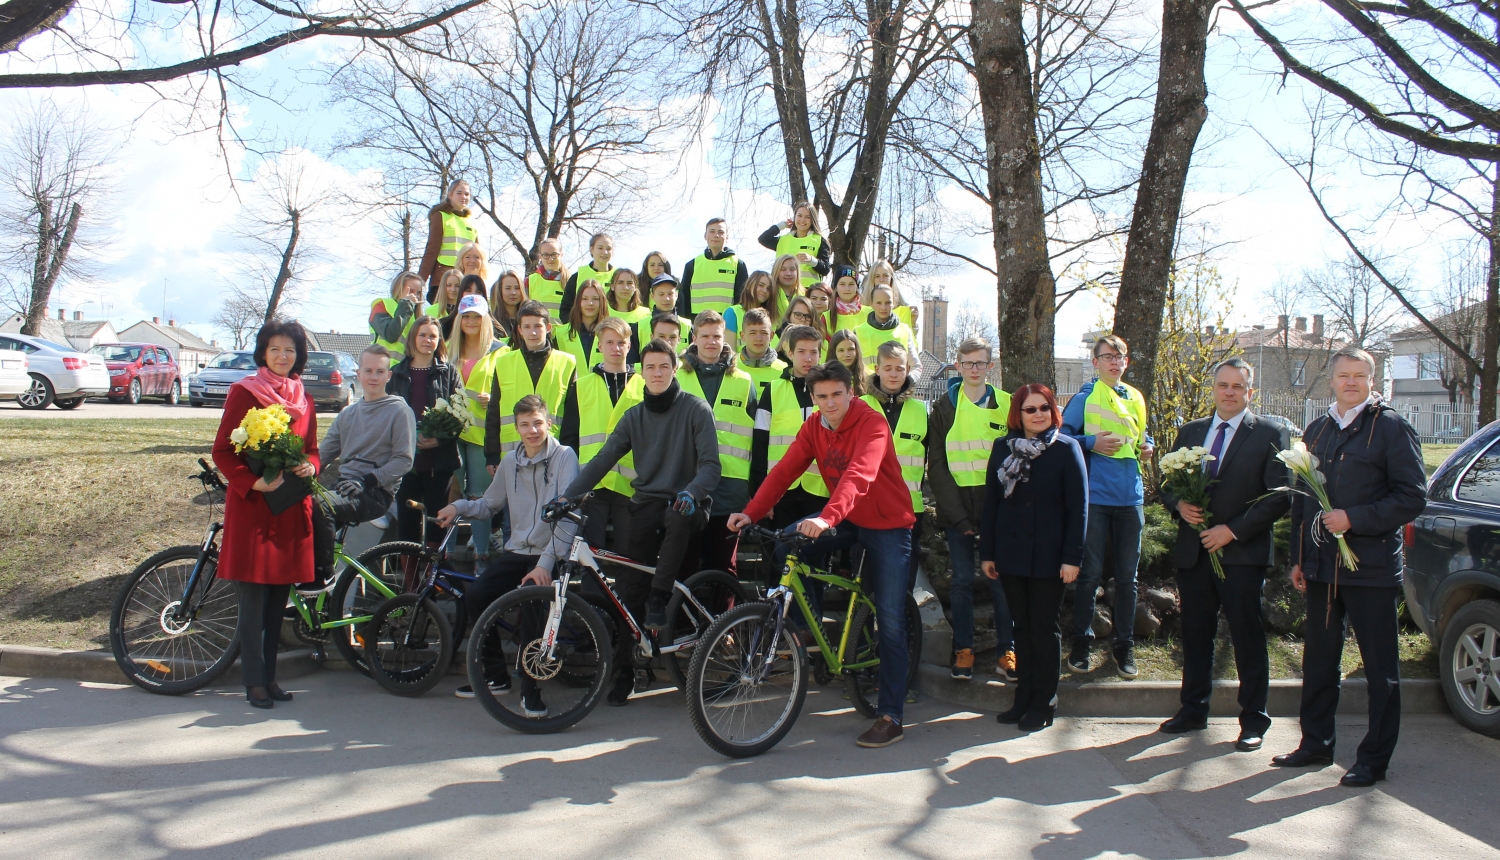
(440, 405)
(239, 436)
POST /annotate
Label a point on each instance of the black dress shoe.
(1014, 715)
(1248, 742)
(278, 694)
(257, 697)
(1304, 758)
(1036, 719)
(1362, 776)
(1184, 723)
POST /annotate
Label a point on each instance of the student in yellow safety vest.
(672, 329)
(708, 372)
(801, 237)
(883, 274)
(820, 296)
(848, 306)
(468, 285)
(447, 297)
(756, 357)
(532, 368)
(892, 390)
(599, 268)
(625, 298)
(782, 406)
(653, 264)
(602, 395)
(712, 281)
(450, 226)
(545, 285)
(786, 281)
(757, 294)
(663, 302)
(505, 302)
(391, 318)
(881, 324)
(800, 312)
(844, 348)
(576, 336)
(475, 350)
(962, 429)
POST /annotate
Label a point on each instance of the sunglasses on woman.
(1032, 410)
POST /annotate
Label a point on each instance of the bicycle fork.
(185, 610)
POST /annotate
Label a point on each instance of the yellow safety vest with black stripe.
(1106, 411)
(762, 375)
(597, 418)
(972, 435)
(713, 283)
(549, 293)
(480, 381)
(458, 231)
(789, 243)
(787, 418)
(731, 420)
(398, 349)
(870, 338)
(515, 383)
(574, 346)
(630, 318)
(643, 333)
(909, 439)
(587, 272)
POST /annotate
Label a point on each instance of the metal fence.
(1436, 424)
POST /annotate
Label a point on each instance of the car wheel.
(71, 403)
(347, 401)
(196, 404)
(133, 394)
(175, 394)
(1470, 660)
(39, 395)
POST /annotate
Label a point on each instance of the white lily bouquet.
(1305, 466)
(447, 419)
(1182, 475)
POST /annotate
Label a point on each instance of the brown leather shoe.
(885, 732)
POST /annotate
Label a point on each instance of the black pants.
(607, 508)
(1204, 595)
(1371, 610)
(661, 537)
(367, 505)
(261, 610)
(429, 488)
(715, 546)
(795, 505)
(1034, 603)
(504, 574)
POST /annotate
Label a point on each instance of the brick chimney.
(1283, 321)
(77, 315)
(172, 323)
(62, 315)
(156, 320)
(1317, 331)
(1301, 323)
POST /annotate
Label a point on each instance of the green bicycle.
(748, 677)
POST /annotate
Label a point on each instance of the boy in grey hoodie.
(375, 441)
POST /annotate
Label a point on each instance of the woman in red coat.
(265, 553)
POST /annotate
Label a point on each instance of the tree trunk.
(1489, 375)
(1181, 93)
(406, 241)
(284, 274)
(51, 256)
(786, 79)
(1026, 295)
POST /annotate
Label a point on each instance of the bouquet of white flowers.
(446, 419)
(1305, 466)
(1183, 476)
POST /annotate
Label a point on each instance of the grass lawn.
(1434, 455)
(85, 501)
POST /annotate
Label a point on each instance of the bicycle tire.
(517, 620)
(719, 591)
(863, 685)
(394, 665)
(719, 668)
(386, 562)
(149, 653)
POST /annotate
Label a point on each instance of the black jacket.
(442, 381)
(1248, 470)
(1040, 526)
(1374, 474)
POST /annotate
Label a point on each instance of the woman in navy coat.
(1036, 505)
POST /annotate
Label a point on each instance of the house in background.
(332, 341)
(186, 348)
(51, 329)
(1423, 373)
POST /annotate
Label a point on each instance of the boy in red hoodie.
(870, 503)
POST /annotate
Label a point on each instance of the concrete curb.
(1160, 698)
(31, 662)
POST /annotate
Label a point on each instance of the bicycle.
(748, 678)
(556, 639)
(173, 625)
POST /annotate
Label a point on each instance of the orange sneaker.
(963, 664)
(1006, 666)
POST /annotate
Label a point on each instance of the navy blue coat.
(1040, 526)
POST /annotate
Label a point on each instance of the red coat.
(257, 546)
(857, 462)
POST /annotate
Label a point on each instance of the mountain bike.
(173, 626)
(559, 641)
(748, 678)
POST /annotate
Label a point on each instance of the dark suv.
(330, 379)
(1452, 577)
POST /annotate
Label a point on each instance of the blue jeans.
(1116, 529)
(476, 481)
(962, 550)
(887, 556)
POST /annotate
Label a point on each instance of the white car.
(14, 379)
(59, 374)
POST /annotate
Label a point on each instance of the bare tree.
(1458, 309)
(1360, 309)
(275, 225)
(241, 314)
(53, 169)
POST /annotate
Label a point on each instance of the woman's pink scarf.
(285, 391)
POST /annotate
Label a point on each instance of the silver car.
(59, 374)
(14, 378)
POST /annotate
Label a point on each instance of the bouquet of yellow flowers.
(1183, 476)
(1305, 467)
(269, 447)
(447, 418)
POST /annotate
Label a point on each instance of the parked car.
(330, 379)
(211, 384)
(139, 370)
(15, 379)
(1452, 577)
(59, 374)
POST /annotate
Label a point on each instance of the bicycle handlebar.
(209, 476)
(556, 510)
(765, 535)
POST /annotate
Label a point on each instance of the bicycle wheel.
(408, 645)
(398, 565)
(717, 592)
(733, 708)
(554, 692)
(863, 685)
(156, 651)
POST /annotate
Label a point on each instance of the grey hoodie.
(372, 437)
(523, 484)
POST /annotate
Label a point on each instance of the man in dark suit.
(1240, 515)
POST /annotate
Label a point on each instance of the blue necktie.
(1217, 451)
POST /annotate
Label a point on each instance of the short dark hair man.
(1243, 507)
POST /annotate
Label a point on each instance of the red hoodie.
(857, 462)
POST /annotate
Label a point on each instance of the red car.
(139, 370)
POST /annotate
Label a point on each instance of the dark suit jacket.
(1248, 470)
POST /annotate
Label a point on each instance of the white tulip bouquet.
(1182, 475)
(1305, 467)
(447, 419)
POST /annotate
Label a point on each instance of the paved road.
(100, 408)
(90, 770)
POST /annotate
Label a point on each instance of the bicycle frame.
(790, 590)
(316, 611)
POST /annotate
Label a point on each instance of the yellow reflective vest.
(762, 375)
(1106, 411)
(549, 293)
(787, 417)
(572, 344)
(458, 231)
(515, 383)
(480, 380)
(597, 418)
(910, 441)
(972, 435)
(870, 338)
(789, 243)
(643, 333)
(398, 348)
(732, 421)
(713, 283)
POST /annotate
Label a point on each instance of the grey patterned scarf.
(1017, 465)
